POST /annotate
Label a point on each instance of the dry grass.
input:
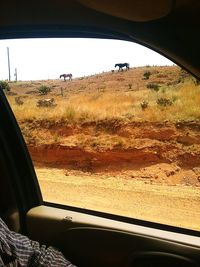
(112, 96)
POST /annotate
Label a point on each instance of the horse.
(69, 75)
(122, 65)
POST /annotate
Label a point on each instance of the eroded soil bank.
(161, 152)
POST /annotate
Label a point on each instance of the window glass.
(110, 125)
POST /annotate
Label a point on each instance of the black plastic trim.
(19, 165)
(60, 31)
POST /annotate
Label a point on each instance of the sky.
(41, 59)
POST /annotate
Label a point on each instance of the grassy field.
(113, 96)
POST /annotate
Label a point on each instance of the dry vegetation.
(112, 96)
(139, 127)
(108, 101)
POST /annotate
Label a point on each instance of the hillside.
(118, 95)
(126, 143)
(115, 121)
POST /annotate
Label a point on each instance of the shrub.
(144, 105)
(174, 99)
(102, 88)
(146, 75)
(11, 93)
(120, 79)
(18, 101)
(163, 90)
(175, 82)
(130, 86)
(46, 102)
(162, 75)
(4, 85)
(56, 139)
(164, 102)
(70, 114)
(196, 81)
(184, 74)
(153, 86)
(44, 90)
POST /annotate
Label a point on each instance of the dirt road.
(176, 205)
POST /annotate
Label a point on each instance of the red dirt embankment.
(85, 160)
(173, 149)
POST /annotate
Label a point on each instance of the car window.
(110, 125)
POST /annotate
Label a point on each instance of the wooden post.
(15, 74)
(61, 91)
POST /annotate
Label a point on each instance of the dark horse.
(122, 65)
(66, 76)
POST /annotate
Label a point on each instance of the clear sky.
(40, 59)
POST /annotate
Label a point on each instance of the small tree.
(4, 85)
(44, 90)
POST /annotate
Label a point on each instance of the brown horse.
(66, 76)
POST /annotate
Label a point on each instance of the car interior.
(87, 237)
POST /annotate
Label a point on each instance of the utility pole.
(8, 63)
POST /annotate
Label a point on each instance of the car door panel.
(106, 247)
(89, 240)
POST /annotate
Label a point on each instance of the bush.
(174, 99)
(146, 75)
(144, 105)
(184, 74)
(196, 81)
(164, 102)
(19, 101)
(4, 85)
(153, 86)
(44, 90)
(163, 90)
(70, 114)
(46, 103)
(130, 86)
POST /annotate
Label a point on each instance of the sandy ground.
(176, 205)
(156, 178)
